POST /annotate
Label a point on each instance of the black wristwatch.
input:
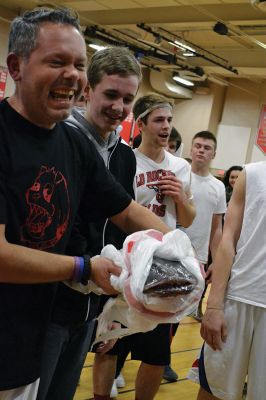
(86, 274)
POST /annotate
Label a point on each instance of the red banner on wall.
(3, 78)
(130, 129)
(261, 136)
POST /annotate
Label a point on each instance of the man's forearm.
(221, 273)
(20, 264)
(145, 219)
(136, 218)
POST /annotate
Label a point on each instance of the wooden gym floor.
(185, 347)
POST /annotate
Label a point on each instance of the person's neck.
(17, 105)
(104, 135)
(200, 170)
(154, 153)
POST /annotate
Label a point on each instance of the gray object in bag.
(168, 279)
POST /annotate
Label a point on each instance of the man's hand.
(101, 269)
(213, 328)
(172, 187)
(104, 347)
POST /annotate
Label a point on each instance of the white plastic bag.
(141, 312)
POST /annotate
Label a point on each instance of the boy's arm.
(213, 329)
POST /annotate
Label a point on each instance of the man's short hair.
(206, 135)
(112, 61)
(24, 29)
(175, 137)
(149, 102)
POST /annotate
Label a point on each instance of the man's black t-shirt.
(45, 176)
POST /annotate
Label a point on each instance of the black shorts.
(152, 347)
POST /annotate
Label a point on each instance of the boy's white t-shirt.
(147, 176)
(248, 275)
(209, 199)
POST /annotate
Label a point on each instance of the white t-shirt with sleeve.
(146, 189)
(209, 199)
(248, 275)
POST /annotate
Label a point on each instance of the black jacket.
(71, 306)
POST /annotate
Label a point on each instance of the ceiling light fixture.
(182, 80)
(188, 54)
(183, 46)
(96, 46)
(198, 51)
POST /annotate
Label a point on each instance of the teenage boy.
(163, 186)
(209, 198)
(114, 76)
(234, 323)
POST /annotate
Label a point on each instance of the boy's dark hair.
(137, 141)
(24, 30)
(175, 137)
(206, 135)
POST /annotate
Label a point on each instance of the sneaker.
(114, 391)
(120, 381)
(169, 374)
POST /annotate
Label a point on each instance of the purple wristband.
(78, 269)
